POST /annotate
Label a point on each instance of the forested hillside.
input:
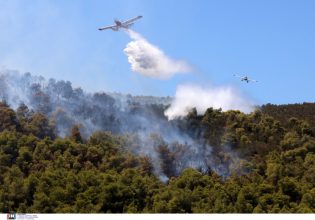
(305, 111)
(223, 162)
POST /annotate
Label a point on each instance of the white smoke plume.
(193, 96)
(150, 61)
(140, 118)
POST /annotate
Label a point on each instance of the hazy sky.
(271, 41)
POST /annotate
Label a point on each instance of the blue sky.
(271, 41)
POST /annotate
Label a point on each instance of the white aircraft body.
(121, 24)
(245, 78)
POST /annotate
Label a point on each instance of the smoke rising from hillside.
(150, 61)
(141, 118)
(193, 96)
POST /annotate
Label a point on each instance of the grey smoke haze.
(141, 117)
(194, 96)
(150, 61)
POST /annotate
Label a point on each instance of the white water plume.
(149, 60)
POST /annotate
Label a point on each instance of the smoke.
(150, 61)
(171, 145)
(193, 96)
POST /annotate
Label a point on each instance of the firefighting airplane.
(245, 78)
(121, 24)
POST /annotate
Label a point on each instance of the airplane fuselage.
(121, 24)
(245, 79)
(118, 23)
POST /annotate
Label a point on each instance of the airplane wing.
(238, 76)
(132, 20)
(107, 27)
(252, 80)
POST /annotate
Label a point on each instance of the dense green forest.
(268, 166)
